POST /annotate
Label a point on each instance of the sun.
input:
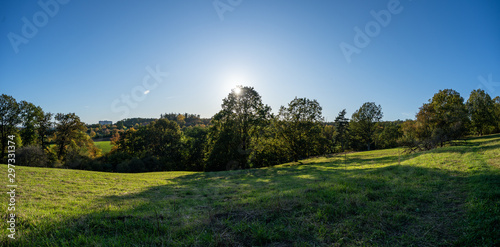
(237, 90)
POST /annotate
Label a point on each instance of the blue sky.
(98, 58)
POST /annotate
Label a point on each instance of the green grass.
(105, 146)
(447, 196)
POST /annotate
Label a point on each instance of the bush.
(115, 158)
(152, 163)
(133, 165)
(75, 160)
(122, 167)
(32, 156)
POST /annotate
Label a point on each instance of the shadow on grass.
(313, 204)
(392, 205)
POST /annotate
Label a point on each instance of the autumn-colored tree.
(69, 133)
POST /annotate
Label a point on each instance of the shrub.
(32, 156)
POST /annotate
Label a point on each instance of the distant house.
(105, 122)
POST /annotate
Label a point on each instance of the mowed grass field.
(447, 196)
(105, 146)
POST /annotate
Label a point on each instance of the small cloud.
(146, 92)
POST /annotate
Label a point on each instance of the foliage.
(135, 122)
(30, 116)
(388, 134)
(186, 119)
(481, 109)
(45, 129)
(32, 156)
(195, 139)
(363, 125)
(300, 125)
(270, 147)
(496, 101)
(342, 130)
(161, 138)
(9, 118)
(70, 136)
(73, 147)
(234, 128)
(243, 134)
(441, 120)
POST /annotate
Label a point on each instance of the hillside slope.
(447, 196)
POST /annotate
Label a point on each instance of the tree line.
(243, 134)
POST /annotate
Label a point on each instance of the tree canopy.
(363, 123)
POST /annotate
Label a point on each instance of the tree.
(9, 119)
(300, 125)
(163, 139)
(342, 129)
(119, 125)
(30, 114)
(160, 139)
(181, 120)
(496, 100)
(222, 146)
(363, 123)
(32, 156)
(388, 134)
(242, 117)
(441, 120)
(45, 130)
(448, 116)
(481, 109)
(270, 147)
(194, 147)
(69, 130)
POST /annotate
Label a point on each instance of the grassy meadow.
(447, 196)
(105, 146)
